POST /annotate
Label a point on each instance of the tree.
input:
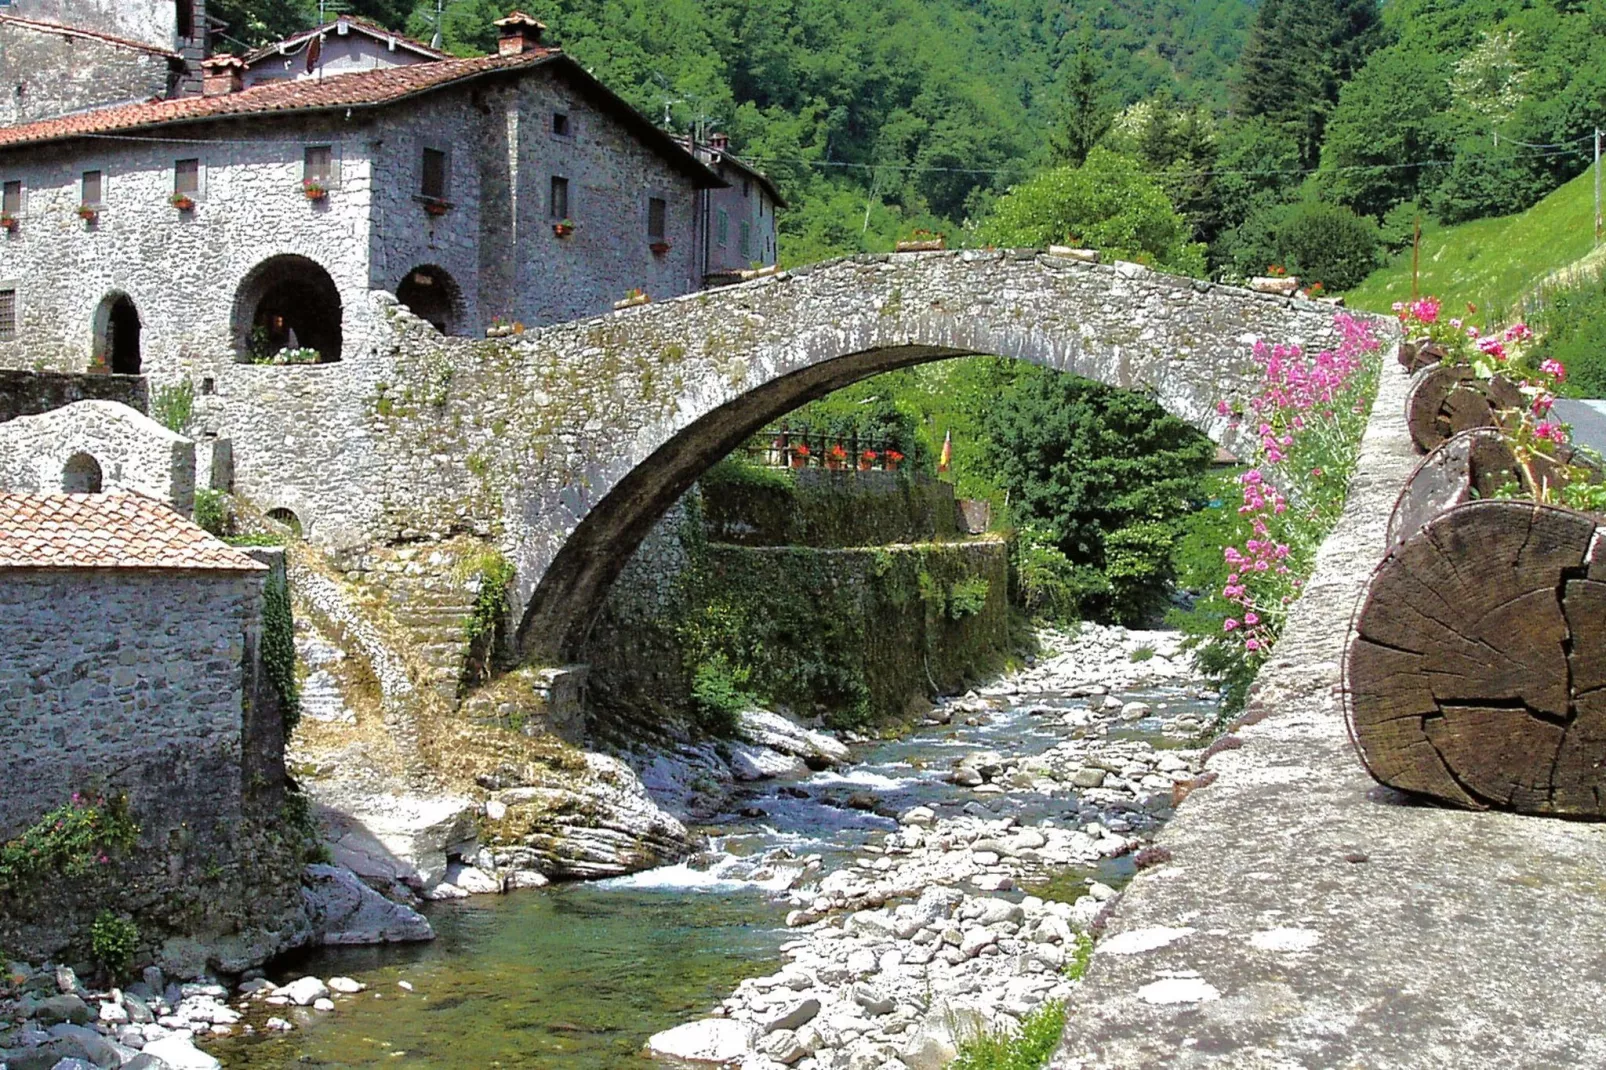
(1314, 239)
(1087, 113)
(1107, 472)
(1108, 203)
(1388, 123)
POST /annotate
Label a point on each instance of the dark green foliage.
(1316, 240)
(1085, 461)
(279, 648)
(1391, 113)
(1045, 582)
(718, 697)
(483, 630)
(755, 506)
(1486, 180)
(1298, 54)
(1030, 1049)
(1087, 111)
(1574, 325)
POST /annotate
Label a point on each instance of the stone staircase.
(430, 598)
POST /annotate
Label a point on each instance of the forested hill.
(877, 116)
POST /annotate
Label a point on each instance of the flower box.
(437, 208)
(800, 456)
(891, 459)
(867, 460)
(88, 213)
(8, 223)
(182, 201)
(632, 299)
(563, 228)
(314, 190)
(836, 457)
(659, 248)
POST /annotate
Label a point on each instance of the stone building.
(345, 46)
(94, 446)
(511, 186)
(62, 56)
(130, 664)
(741, 216)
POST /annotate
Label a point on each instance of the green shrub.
(174, 406)
(488, 618)
(718, 696)
(1030, 1049)
(1316, 240)
(112, 940)
(1573, 326)
(968, 597)
(1047, 583)
(1137, 562)
(1487, 180)
(214, 511)
(1081, 957)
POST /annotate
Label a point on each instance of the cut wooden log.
(1448, 398)
(1472, 465)
(1421, 353)
(1476, 670)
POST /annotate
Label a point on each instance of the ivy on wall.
(279, 648)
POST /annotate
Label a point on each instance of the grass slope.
(1492, 263)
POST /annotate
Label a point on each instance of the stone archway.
(116, 339)
(432, 294)
(287, 303)
(81, 475)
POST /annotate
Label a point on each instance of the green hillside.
(1492, 263)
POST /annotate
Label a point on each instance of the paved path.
(1463, 940)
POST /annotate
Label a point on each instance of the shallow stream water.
(578, 976)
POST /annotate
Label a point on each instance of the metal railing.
(787, 447)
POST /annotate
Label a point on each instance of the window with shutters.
(558, 199)
(317, 163)
(187, 177)
(723, 229)
(11, 199)
(93, 188)
(432, 183)
(745, 244)
(657, 218)
(8, 314)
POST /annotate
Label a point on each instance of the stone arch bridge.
(564, 445)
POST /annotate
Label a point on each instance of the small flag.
(947, 452)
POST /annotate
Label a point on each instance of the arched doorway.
(81, 475)
(287, 311)
(433, 295)
(117, 330)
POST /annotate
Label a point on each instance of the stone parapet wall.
(828, 509)
(132, 451)
(28, 393)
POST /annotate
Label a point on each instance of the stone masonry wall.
(150, 22)
(25, 393)
(49, 74)
(133, 451)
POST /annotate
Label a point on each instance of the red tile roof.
(362, 89)
(74, 31)
(115, 530)
(362, 26)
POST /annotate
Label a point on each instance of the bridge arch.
(767, 351)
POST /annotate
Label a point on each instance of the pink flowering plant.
(1306, 423)
(72, 840)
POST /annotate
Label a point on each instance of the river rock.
(344, 910)
(345, 986)
(65, 1008)
(784, 1047)
(177, 1052)
(794, 1017)
(706, 1043)
(749, 762)
(304, 991)
(406, 838)
(765, 728)
(1089, 778)
(473, 880)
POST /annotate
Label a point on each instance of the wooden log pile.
(1476, 667)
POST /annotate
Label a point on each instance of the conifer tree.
(1087, 109)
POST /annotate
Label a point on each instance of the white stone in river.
(345, 985)
(304, 990)
(1137, 941)
(709, 1042)
(1285, 939)
(178, 1053)
(472, 880)
(1178, 990)
(323, 1004)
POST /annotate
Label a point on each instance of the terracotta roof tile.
(362, 89)
(115, 530)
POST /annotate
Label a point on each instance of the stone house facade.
(741, 233)
(94, 446)
(62, 56)
(444, 182)
(131, 665)
(345, 46)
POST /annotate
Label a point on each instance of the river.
(578, 976)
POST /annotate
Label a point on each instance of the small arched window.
(81, 475)
(288, 519)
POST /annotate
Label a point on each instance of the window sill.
(435, 206)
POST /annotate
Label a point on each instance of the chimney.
(519, 33)
(221, 75)
(719, 142)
